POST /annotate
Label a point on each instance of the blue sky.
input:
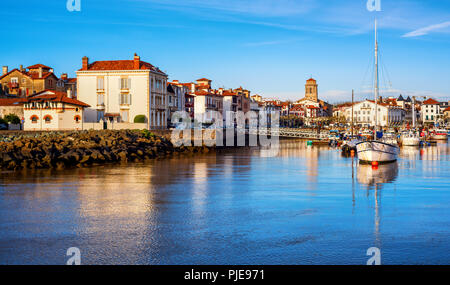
(267, 46)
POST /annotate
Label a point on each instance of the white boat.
(376, 151)
(410, 139)
(439, 135)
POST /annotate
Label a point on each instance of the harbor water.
(307, 205)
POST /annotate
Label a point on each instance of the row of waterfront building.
(126, 92)
(136, 94)
(394, 111)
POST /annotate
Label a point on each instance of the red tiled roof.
(56, 96)
(120, 65)
(343, 105)
(203, 79)
(447, 109)
(202, 93)
(36, 66)
(229, 93)
(12, 101)
(35, 75)
(430, 101)
(15, 69)
(392, 101)
(311, 80)
(297, 108)
(379, 103)
(32, 75)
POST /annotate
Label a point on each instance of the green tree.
(12, 119)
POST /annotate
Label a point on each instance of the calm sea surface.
(308, 205)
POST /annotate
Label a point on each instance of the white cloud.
(427, 30)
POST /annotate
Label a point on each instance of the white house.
(364, 114)
(431, 111)
(53, 110)
(120, 90)
(206, 99)
(231, 103)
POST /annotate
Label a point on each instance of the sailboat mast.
(376, 78)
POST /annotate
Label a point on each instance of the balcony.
(13, 85)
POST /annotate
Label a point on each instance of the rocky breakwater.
(61, 150)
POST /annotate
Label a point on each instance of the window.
(77, 119)
(14, 80)
(34, 119)
(100, 83)
(100, 99)
(48, 119)
(125, 83)
(124, 99)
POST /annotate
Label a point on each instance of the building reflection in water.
(311, 154)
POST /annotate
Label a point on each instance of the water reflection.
(233, 207)
(371, 176)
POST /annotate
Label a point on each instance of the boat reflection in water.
(374, 176)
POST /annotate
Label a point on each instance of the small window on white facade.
(100, 83)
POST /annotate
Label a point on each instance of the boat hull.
(411, 141)
(375, 151)
(441, 137)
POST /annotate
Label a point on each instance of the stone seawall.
(83, 148)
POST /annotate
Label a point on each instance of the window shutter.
(129, 100)
(129, 83)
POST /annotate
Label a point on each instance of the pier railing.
(289, 133)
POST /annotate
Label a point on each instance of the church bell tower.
(311, 90)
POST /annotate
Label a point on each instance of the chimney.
(64, 76)
(5, 70)
(136, 61)
(85, 62)
(40, 72)
(69, 93)
(21, 67)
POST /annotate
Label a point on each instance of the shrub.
(12, 119)
(139, 119)
(2, 121)
(147, 134)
